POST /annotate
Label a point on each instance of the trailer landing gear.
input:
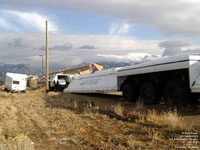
(128, 92)
(175, 94)
(147, 93)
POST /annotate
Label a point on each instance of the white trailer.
(15, 82)
(175, 79)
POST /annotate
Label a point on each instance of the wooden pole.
(42, 67)
(47, 66)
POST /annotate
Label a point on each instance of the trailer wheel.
(194, 98)
(128, 92)
(6, 90)
(147, 93)
(175, 94)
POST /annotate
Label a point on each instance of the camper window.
(15, 82)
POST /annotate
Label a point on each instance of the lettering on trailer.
(90, 82)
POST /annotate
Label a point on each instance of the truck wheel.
(175, 94)
(56, 88)
(128, 92)
(51, 88)
(147, 93)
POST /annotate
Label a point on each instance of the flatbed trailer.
(175, 79)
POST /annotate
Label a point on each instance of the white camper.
(15, 82)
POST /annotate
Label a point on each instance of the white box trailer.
(175, 79)
(15, 82)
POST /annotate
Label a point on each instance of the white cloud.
(172, 17)
(4, 23)
(109, 48)
(28, 20)
(173, 47)
(130, 57)
(174, 43)
(113, 28)
(106, 45)
(124, 29)
(119, 29)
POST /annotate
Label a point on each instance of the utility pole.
(47, 66)
(42, 65)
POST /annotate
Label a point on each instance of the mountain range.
(27, 69)
(16, 68)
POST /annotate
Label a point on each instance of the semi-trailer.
(175, 79)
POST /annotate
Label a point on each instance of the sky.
(94, 31)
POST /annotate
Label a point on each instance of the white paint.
(12, 79)
(162, 64)
(98, 82)
(112, 79)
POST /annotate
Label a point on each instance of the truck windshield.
(62, 77)
(15, 82)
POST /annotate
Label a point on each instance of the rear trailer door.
(194, 73)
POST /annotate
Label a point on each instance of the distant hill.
(16, 68)
(24, 69)
(113, 64)
(107, 65)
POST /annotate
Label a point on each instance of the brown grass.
(65, 121)
(118, 109)
(170, 119)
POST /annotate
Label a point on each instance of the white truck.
(15, 82)
(175, 79)
(58, 82)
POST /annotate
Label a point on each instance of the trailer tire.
(128, 92)
(6, 90)
(194, 99)
(175, 94)
(147, 93)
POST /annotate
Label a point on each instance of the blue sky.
(73, 22)
(95, 28)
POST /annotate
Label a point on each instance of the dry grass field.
(58, 121)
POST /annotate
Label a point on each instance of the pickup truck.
(58, 82)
